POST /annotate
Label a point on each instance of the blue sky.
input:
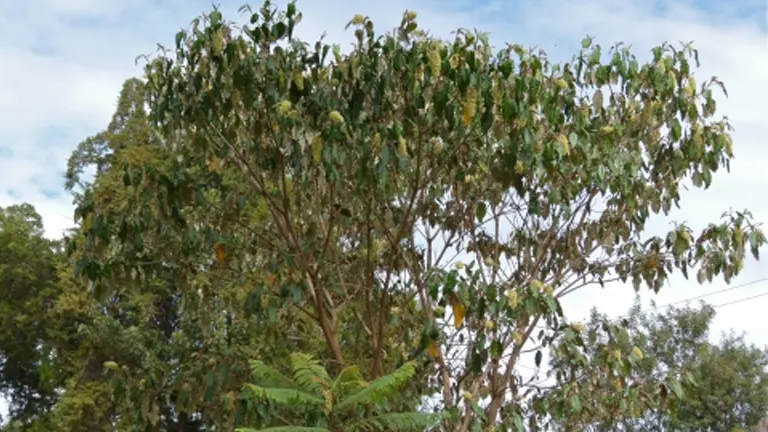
(62, 63)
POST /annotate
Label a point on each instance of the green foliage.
(328, 404)
(369, 169)
(712, 387)
(278, 197)
(28, 286)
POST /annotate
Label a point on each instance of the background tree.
(724, 386)
(28, 287)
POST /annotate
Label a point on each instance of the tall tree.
(349, 181)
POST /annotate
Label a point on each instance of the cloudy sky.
(62, 63)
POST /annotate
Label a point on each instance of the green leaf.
(414, 421)
(284, 429)
(480, 211)
(383, 388)
(677, 389)
(575, 404)
(287, 397)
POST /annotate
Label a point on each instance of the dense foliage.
(722, 387)
(409, 213)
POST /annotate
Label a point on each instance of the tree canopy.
(723, 386)
(412, 207)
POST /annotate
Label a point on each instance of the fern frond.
(284, 429)
(268, 376)
(383, 388)
(309, 374)
(412, 421)
(349, 379)
(287, 397)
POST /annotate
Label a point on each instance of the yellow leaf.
(437, 146)
(317, 149)
(219, 248)
(435, 62)
(298, 79)
(607, 130)
(597, 101)
(336, 117)
(470, 106)
(564, 144)
(454, 61)
(217, 43)
(214, 164)
(519, 168)
(537, 285)
(512, 299)
(459, 312)
(517, 337)
(271, 278)
(728, 144)
(561, 83)
(328, 405)
(637, 352)
(357, 19)
(284, 107)
(433, 349)
(691, 85)
(376, 143)
(402, 146)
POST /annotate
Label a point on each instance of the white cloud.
(62, 64)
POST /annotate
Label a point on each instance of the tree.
(370, 170)
(173, 335)
(28, 286)
(724, 386)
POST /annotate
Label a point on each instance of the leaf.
(383, 388)
(480, 211)
(349, 379)
(220, 255)
(433, 349)
(284, 429)
(309, 374)
(286, 397)
(470, 106)
(676, 388)
(317, 149)
(269, 376)
(575, 404)
(415, 421)
(459, 312)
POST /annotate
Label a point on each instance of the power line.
(741, 300)
(699, 297)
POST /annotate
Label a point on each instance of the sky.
(62, 63)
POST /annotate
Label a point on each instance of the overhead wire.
(702, 296)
